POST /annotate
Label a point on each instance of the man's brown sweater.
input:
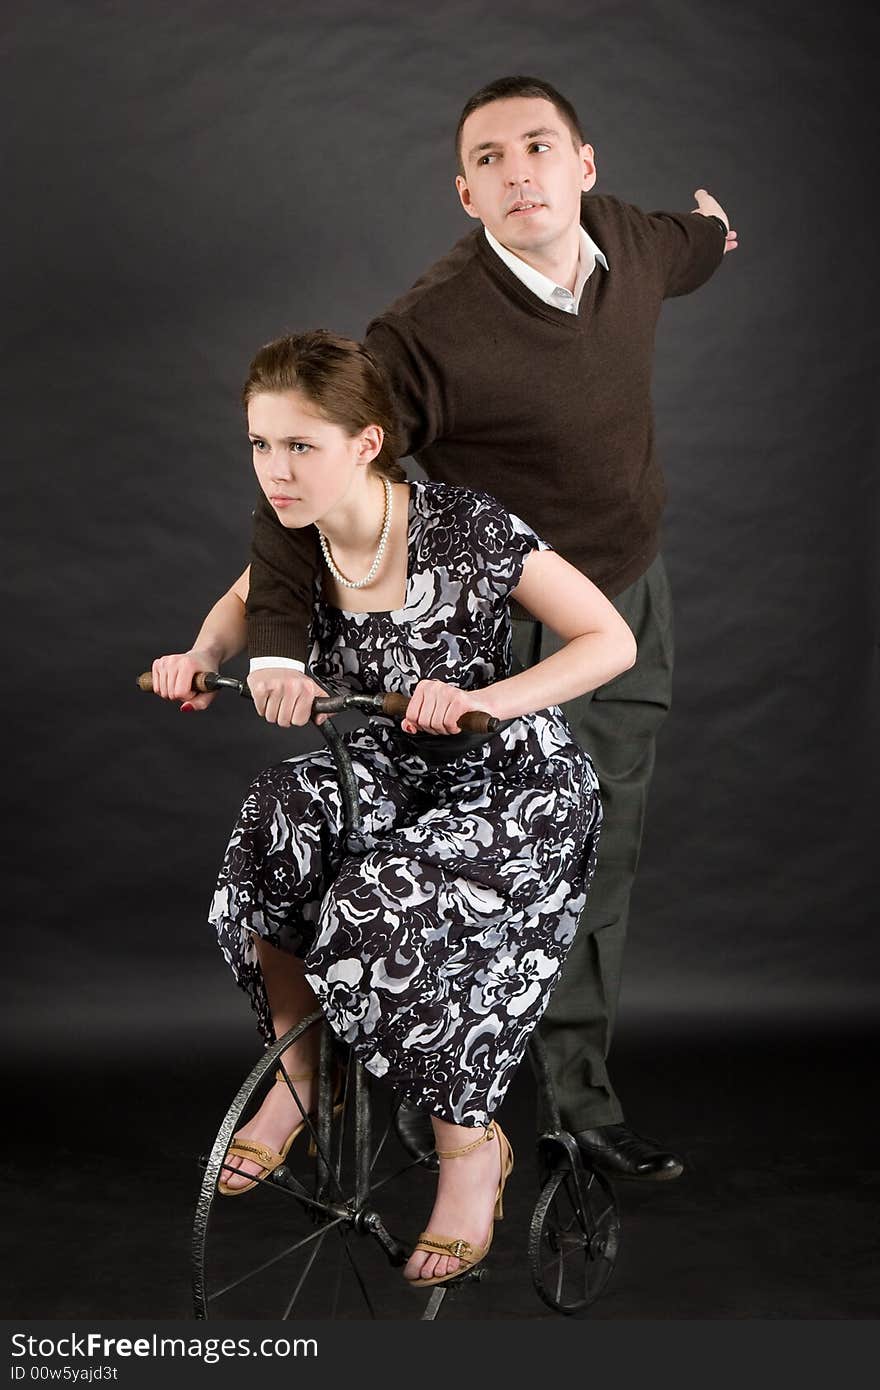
(548, 411)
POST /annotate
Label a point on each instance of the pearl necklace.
(383, 541)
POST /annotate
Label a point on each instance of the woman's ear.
(370, 443)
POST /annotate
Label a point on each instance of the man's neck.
(558, 260)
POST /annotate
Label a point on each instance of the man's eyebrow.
(494, 144)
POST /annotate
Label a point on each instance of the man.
(521, 365)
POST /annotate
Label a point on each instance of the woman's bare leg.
(291, 999)
(465, 1201)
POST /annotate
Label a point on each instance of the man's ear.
(588, 167)
(464, 195)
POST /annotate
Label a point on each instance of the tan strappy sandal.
(268, 1158)
(462, 1250)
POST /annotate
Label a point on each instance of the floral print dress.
(435, 950)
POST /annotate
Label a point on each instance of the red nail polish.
(185, 707)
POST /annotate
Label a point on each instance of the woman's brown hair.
(337, 376)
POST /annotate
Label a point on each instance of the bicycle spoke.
(310, 1126)
(338, 1285)
(357, 1274)
(414, 1163)
(300, 1195)
(302, 1278)
(374, 1160)
(258, 1269)
(343, 1120)
(392, 1116)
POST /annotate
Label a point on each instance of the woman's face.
(304, 464)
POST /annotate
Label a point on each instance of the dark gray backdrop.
(185, 182)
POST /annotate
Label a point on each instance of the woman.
(433, 954)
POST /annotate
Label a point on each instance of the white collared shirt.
(555, 295)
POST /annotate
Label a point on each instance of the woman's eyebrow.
(285, 438)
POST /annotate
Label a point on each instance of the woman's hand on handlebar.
(435, 707)
(173, 678)
(284, 696)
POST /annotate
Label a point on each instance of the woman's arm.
(599, 646)
(222, 636)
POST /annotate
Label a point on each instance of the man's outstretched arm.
(689, 246)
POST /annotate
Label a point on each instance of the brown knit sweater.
(548, 411)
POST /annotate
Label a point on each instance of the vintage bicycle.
(295, 1254)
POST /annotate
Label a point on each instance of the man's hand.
(173, 678)
(435, 708)
(284, 696)
(710, 207)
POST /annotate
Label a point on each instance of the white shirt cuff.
(265, 663)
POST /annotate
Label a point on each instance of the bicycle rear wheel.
(573, 1240)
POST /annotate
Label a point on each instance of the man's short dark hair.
(519, 86)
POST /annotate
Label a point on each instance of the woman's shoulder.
(477, 518)
(464, 505)
(466, 531)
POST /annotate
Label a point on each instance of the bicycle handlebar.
(390, 703)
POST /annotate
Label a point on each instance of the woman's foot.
(465, 1205)
(272, 1125)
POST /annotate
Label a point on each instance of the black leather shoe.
(619, 1152)
(416, 1134)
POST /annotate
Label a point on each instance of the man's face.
(523, 175)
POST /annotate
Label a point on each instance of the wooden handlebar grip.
(396, 705)
(201, 680)
(475, 721)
